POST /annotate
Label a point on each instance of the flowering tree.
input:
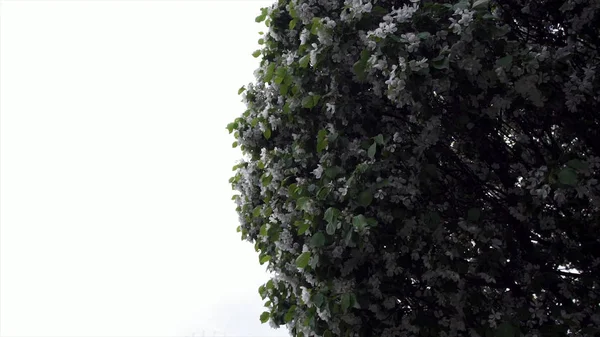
(425, 168)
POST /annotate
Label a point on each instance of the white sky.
(116, 218)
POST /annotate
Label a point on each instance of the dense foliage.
(425, 168)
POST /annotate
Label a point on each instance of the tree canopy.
(425, 168)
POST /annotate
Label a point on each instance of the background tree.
(425, 168)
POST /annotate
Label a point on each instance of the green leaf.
(288, 79)
(372, 150)
(423, 35)
(348, 238)
(364, 55)
(310, 320)
(267, 133)
(317, 240)
(293, 23)
(281, 71)
(304, 61)
(289, 316)
(293, 190)
(302, 203)
(262, 291)
(270, 71)
(473, 214)
(295, 90)
(463, 4)
(262, 16)
(365, 198)
(256, 53)
(261, 41)
(371, 222)
(323, 192)
(310, 101)
(440, 62)
(332, 172)
(234, 145)
(263, 230)
(360, 66)
(303, 228)
(315, 26)
(345, 302)
(264, 259)
(379, 11)
(321, 140)
(232, 126)
(302, 260)
(330, 228)
(264, 317)
(480, 4)
(353, 301)
(318, 299)
(266, 179)
(331, 214)
(360, 222)
(256, 212)
(568, 176)
(270, 284)
(327, 333)
(379, 139)
(241, 90)
(577, 164)
(505, 62)
(292, 10)
(396, 38)
(505, 330)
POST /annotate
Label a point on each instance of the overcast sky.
(116, 218)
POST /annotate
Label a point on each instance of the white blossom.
(304, 36)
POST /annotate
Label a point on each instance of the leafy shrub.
(425, 168)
